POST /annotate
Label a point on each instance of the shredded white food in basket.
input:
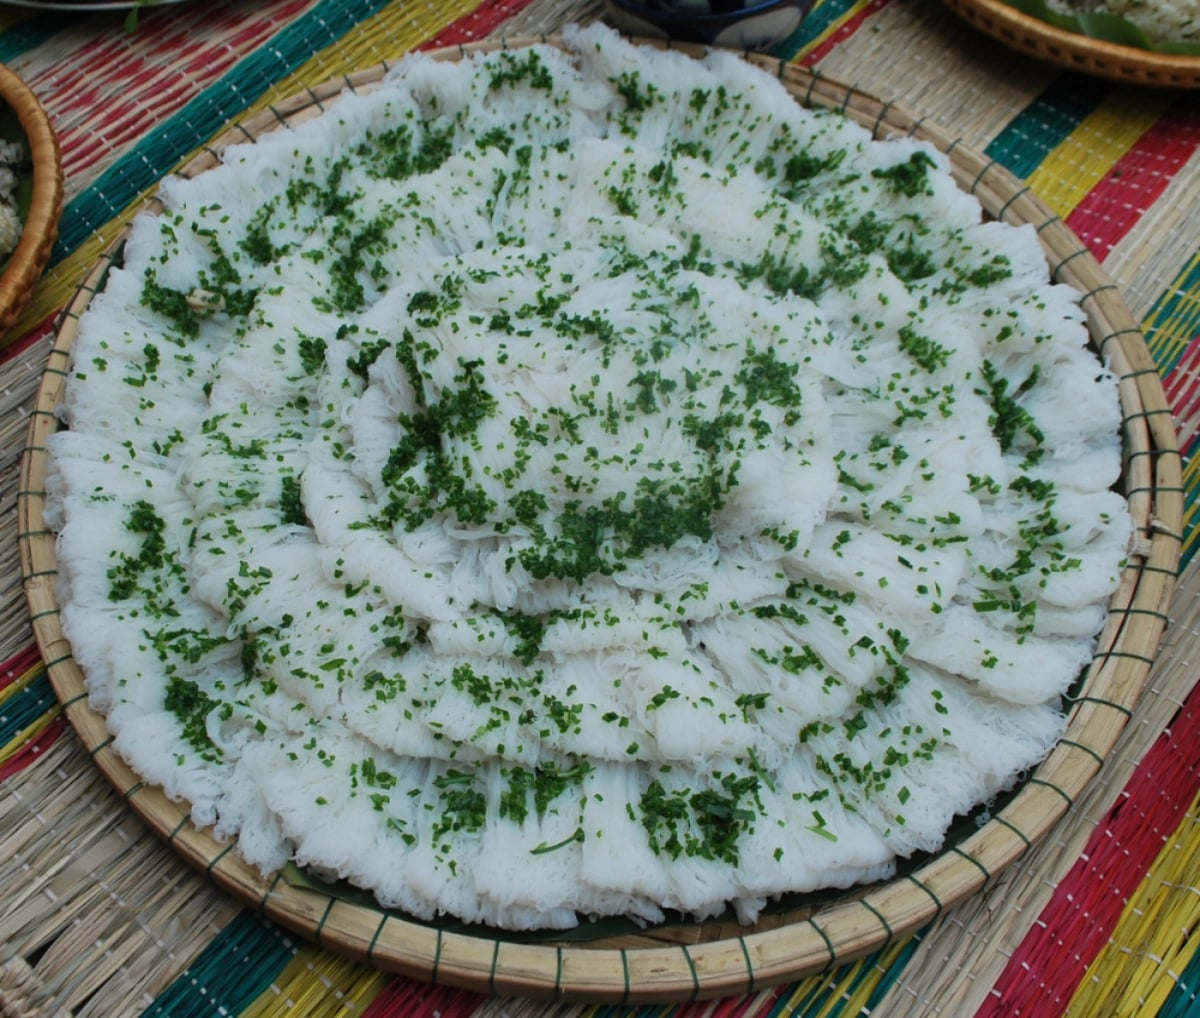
(583, 483)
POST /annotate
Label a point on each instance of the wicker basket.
(1075, 52)
(691, 960)
(24, 267)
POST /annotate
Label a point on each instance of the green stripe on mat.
(205, 115)
(1182, 1000)
(828, 995)
(819, 19)
(20, 39)
(25, 708)
(1170, 327)
(1174, 320)
(1044, 124)
(238, 965)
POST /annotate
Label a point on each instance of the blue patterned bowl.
(732, 23)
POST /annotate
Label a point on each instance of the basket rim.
(707, 961)
(40, 229)
(1073, 51)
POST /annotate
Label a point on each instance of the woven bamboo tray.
(695, 960)
(1050, 44)
(24, 267)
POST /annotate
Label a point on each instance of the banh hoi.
(578, 482)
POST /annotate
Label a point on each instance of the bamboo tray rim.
(695, 960)
(1073, 51)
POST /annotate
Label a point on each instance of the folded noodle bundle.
(576, 482)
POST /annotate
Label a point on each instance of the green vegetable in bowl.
(1161, 26)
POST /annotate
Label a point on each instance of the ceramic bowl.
(729, 23)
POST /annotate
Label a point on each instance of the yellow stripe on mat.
(20, 683)
(26, 735)
(58, 285)
(20, 739)
(317, 983)
(833, 27)
(1171, 325)
(845, 990)
(1080, 161)
(385, 36)
(1135, 972)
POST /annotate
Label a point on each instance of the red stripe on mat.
(403, 998)
(1046, 969)
(1136, 181)
(482, 21)
(107, 95)
(34, 749)
(43, 330)
(843, 32)
(18, 665)
(732, 1007)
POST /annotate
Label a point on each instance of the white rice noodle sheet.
(909, 582)
(150, 743)
(83, 576)
(1010, 247)
(528, 872)
(1072, 565)
(477, 708)
(622, 874)
(442, 224)
(413, 572)
(325, 810)
(587, 706)
(689, 710)
(806, 839)
(782, 493)
(484, 636)
(696, 885)
(98, 470)
(1025, 669)
(950, 749)
(635, 625)
(921, 485)
(941, 200)
(374, 428)
(125, 671)
(262, 378)
(802, 669)
(1080, 622)
(388, 705)
(1075, 410)
(253, 538)
(244, 813)
(444, 863)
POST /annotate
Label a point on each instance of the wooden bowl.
(40, 228)
(1074, 52)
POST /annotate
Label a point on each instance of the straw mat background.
(97, 918)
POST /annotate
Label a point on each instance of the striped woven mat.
(97, 918)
